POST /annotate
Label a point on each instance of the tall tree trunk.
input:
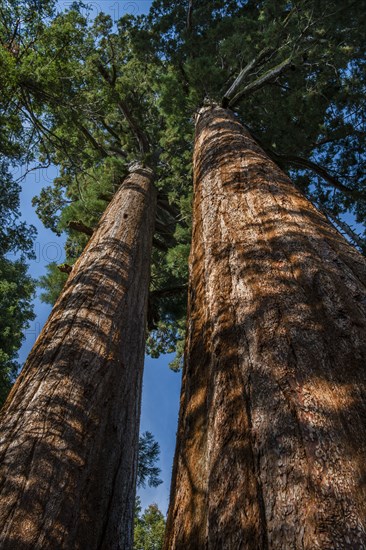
(69, 436)
(271, 449)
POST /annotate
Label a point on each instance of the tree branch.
(93, 141)
(110, 130)
(268, 76)
(140, 136)
(168, 291)
(160, 245)
(118, 151)
(308, 164)
(189, 15)
(165, 205)
(81, 228)
(65, 268)
(347, 230)
(261, 57)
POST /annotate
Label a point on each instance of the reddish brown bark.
(271, 449)
(69, 433)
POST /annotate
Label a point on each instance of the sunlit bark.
(70, 425)
(271, 449)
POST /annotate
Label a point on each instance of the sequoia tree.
(70, 425)
(271, 439)
(69, 432)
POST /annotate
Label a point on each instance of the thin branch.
(65, 268)
(118, 151)
(137, 132)
(110, 130)
(189, 15)
(29, 170)
(308, 164)
(185, 80)
(268, 76)
(168, 291)
(345, 228)
(162, 228)
(261, 57)
(97, 146)
(140, 136)
(160, 245)
(105, 74)
(105, 197)
(81, 228)
(114, 70)
(165, 205)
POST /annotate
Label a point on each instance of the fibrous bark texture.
(69, 432)
(271, 449)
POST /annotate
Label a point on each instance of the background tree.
(121, 249)
(147, 471)
(16, 292)
(149, 528)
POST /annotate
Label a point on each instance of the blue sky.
(161, 388)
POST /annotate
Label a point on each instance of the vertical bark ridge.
(69, 429)
(276, 356)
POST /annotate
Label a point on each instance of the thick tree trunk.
(70, 426)
(271, 449)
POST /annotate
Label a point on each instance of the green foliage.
(49, 205)
(16, 287)
(52, 283)
(15, 236)
(147, 471)
(16, 293)
(21, 25)
(149, 528)
(314, 110)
